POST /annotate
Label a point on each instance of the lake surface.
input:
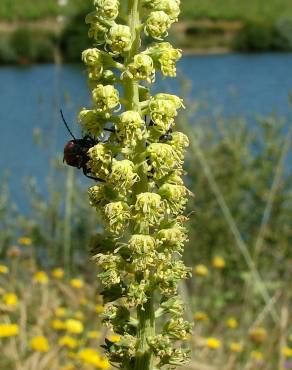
(31, 97)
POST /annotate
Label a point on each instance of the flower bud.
(161, 159)
(92, 58)
(142, 68)
(122, 175)
(177, 328)
(163, 109)
(141, 244)
(179, 142)
(117, 214)
(90, 121)
(170, 7)
(164, 57)
(136, 294)
(119, 39)
(105, 97)
(108, 9)
(157, 24)
(97, 30)
(148, 208)
(172, 239)
(129, 128)
(100, 160)
(97, 196)
(174, 197)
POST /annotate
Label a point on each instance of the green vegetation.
(236, 9)
(261, 35)
(212, 9)
(24, 45)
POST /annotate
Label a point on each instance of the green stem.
(145, 314)
(146, 328)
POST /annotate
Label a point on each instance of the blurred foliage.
(32, 46)
(212, 9)
(234, 9)
(74, 37)
(262, 35)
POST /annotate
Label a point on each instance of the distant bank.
(54, 39)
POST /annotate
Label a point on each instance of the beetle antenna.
(66, 124)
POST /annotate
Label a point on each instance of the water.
(32, 96)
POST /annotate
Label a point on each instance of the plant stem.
(145, 313)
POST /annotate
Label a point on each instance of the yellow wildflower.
(213, 343)
(8, 330)
(287, 351)
(41, 277)
(4, 269)
(58, 273)
(104, 364)
(258, 335)
(40, 344)
(24, 240)
(93, 334)
(77, 283)
(218, 262)
(114, 338)
(257, 355)
(67, 341)
(99, 308)
(10, 299)
(200, 316)
(89, 356)
(236, 347)
(74, 326)
(58, 325)
(60, 311)
(201, 270)
(232, 323)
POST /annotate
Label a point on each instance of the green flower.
(119, 39)
(164, 57)
(129, 128)
(90, 121)
(170, 7)
(106, 98)
(97, 30)
(148, 209)
(163, 109)
(157, 24)
(100, 160)
(122, 176)
(162, 159)
(142, 68)
(107, 8)
(117, 214)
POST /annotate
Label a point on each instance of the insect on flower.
(75, 151)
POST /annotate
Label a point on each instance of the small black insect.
(166, 137)
(75, 151)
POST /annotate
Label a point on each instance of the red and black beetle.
(75, 151)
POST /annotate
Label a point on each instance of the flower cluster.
(138, 165)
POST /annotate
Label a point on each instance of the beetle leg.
(90, 177)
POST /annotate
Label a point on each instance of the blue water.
(31, 97)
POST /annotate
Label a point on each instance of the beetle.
(75, 151)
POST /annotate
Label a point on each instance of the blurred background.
(236, 80)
